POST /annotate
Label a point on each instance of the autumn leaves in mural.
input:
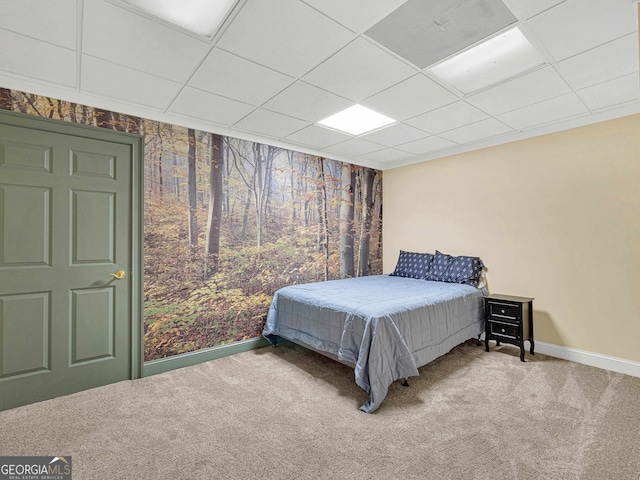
(227, 222)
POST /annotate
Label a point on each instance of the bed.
(384, 326)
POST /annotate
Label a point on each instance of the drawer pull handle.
(501, 311)
(503, 330)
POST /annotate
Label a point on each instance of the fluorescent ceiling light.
(356, 120)
(499, 58)
(199, 16)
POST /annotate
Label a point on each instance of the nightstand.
(509, 319)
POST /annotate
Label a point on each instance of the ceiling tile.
(358, 71)
(608, 61)
(410, 97)
(426, 145)
(524, 9)
(228, 75)
(614, 92)
(425, 32)
(487, 128)
(388, 155)
(547, 111)
(531, 88)
(33, 58)
(135, 41)
(270, 124)
(286, 35)
(447, 118)
(207, 106)
(578, 25)
(357, 15)
(316, 136)
(115, 81)
(307, 102)
(55, 22)
(355, 147)
(395, 135)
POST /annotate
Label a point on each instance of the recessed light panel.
(499, 58)
(356, 120)
(198, 16)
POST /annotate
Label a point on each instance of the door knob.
(120, 274)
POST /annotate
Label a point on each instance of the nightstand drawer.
(504, 310)
(499, 329)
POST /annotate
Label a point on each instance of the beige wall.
(555, 217)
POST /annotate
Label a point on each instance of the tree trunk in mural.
(51, 109)
(263, 162)
(365, 230)
(176, 177)
(72, 112)
(102, 118)
(226, 197)
(160, 177)
(266, 191)
(193, 200)
(245, 214)
(215, 205)
(245, 160)
(323, 223)
(346, 221)
(258, 191)
(5, 99)
(116, 123)
(294, 198)
(87, 115)
(134, 125)
(30, 100)
(377, 208)
(303, 186)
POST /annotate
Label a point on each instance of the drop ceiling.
(277, 67)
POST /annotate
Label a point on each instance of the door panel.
(93, 324)
(95, 165)
(92, 228)
(25, 156)
(25, 325)
(25, 225)
(65, 228)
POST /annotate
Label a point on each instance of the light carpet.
(289, 413)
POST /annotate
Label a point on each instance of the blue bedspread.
(385, 327)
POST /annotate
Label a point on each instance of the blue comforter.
(385, 327)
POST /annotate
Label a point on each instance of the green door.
(66, 260)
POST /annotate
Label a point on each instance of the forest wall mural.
(227, 222)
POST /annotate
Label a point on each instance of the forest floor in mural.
(186, 311)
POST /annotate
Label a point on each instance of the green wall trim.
(193, 358)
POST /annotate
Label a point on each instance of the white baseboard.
(598, 360)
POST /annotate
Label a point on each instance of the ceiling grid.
(275, 69)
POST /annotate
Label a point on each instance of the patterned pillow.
(413, 265)
(465, 270)
(439, 265)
